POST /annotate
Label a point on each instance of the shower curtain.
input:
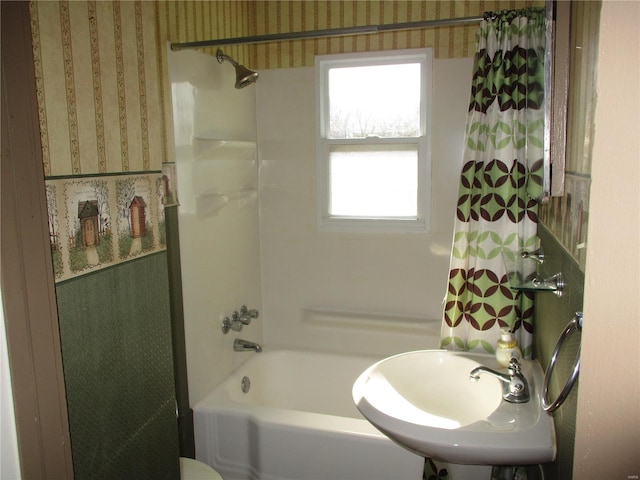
(500, 183)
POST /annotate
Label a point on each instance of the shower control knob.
(231, 324)
(253, 313)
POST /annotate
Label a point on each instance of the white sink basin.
(426, 402)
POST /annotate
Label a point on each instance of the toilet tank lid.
(191, 469)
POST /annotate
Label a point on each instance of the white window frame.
(323, 64)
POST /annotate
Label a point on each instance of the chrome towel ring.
(572, 326)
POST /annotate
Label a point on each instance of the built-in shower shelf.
(223, 173)
(526, 272)
(204, 147)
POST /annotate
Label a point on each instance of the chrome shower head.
(244, 76)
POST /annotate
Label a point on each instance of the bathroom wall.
(216, 159)
(607, 433)
(98, 91)
(563, 231)
(370, 293)
(299, 15)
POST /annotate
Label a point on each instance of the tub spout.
(240, 345)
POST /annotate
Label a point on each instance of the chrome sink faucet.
(240, 345)
(515, 388)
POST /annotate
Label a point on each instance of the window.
(372, 140)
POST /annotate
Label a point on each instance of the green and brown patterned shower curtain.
(500, 182)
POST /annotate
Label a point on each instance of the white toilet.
(193, 470)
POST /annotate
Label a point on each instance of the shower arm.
(221, 57)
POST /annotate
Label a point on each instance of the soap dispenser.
(507, 348)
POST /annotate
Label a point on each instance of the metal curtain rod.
(331, 32)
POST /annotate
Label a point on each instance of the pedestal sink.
(426, 402)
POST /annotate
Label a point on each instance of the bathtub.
(297, 421)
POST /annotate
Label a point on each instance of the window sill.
(372, 225)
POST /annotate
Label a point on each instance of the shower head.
(244, 76)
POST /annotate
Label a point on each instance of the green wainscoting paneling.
(115, 330)
(552, 314)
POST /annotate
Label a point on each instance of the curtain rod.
(331, 32)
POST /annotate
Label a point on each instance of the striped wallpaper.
(101, 65)
(185, 21)
(190, 21)
(97, 85)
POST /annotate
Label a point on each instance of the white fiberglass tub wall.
(219, 247)
(369, 293)
(296, 422)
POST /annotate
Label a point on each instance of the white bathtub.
(297, 422)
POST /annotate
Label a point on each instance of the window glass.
(374, 182)
(380, 100)
(372, 140)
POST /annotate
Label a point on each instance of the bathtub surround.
(339, 291)
(219, 234)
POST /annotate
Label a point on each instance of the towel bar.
(573, 325)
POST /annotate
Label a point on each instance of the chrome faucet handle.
(253, 313)
(232, 323)
(514, 366)
(246, 315)
(241, 317)
(518, 387)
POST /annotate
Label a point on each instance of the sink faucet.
(515, 388)
(240, 345)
